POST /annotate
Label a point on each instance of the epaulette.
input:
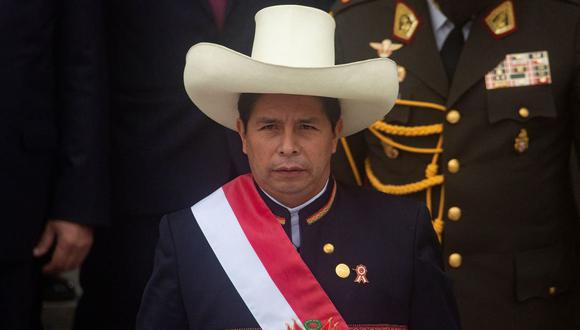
(341, 5)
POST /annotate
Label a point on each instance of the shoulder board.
(341, 5)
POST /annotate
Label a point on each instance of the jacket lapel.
(481, 53)
(421, 56)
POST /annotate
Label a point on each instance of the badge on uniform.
(521, 69)
(501, 21)
(361, 274)
(522, 141)
(385, 49)
(405, 23)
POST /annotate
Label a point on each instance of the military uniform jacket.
(492, 163)
(391, 237)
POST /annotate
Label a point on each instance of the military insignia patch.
(501, 21)
(521, 69)
(405, 23)
(385, 48)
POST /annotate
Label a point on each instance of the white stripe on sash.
(218, 223)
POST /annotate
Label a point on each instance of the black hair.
(247, 101)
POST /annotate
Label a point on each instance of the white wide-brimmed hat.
(293, 53)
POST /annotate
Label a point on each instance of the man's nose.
(289, 143)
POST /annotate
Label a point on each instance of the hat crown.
(294, 36)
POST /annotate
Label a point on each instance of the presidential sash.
(268, 273)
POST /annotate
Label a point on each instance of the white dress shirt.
(443, 26)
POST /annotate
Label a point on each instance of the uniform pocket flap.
(520, 103)
(542, 273)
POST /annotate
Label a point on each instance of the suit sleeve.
(81, 188)
(162, 306)
(433, 302)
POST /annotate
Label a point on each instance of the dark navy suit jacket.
(392, 237)
(53, 119)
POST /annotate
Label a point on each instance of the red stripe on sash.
(284, 265)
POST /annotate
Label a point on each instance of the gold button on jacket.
(454, 213)
(328, 248)
(453, 166)
(455, 260)
(453, 117)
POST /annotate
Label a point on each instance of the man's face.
(289, 142)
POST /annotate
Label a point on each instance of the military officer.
(488, 109)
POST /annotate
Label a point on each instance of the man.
(286, 247)
(53, 134)
(488, 109)
(164, 156)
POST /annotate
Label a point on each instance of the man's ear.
(337, 131)
(242, 132)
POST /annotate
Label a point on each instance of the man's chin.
(288, 176)
(288, 187)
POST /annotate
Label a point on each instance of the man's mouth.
(289, 170)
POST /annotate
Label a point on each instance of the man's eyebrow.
(266, 120)
(309, 120)
(274, 120)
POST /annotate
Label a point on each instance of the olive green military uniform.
(489, 152)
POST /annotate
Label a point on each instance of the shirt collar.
(438, 19)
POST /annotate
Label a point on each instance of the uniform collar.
(309, 212)
(303, 205)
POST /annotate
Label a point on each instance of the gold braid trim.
(421, 104)
(438, 223)
(407, 131)
(401, 189)
(351, 161)
(390, 142)
(431, 177)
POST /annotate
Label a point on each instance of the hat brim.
(215, 76)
